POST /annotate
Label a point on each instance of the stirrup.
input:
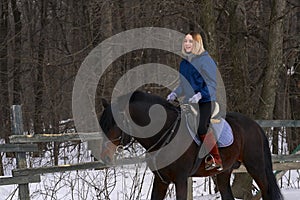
(211, 164)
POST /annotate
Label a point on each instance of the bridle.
(123, 144)
(168, 135)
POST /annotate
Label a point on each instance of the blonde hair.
(198, 47)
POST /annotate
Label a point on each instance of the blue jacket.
(198, 75)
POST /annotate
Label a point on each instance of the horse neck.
(158, 139)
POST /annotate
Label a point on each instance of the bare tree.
(4, 95)
(17, 27)
(240, 89)
(39, 82)
(274, 63)
(291, 73)
(238, 59)
(206, 19)
(4, 99)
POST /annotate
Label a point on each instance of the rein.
(171, 130)
(168, 134)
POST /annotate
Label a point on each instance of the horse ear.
(104, 103)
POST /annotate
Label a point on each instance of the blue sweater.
(199, 75)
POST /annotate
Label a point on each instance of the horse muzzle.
(108, 152)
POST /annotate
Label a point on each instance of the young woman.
(198, 86)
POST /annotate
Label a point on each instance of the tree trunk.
(239, 57)
(28, 67)
(39, 82)
(4, 94)
(274, 61)
(239, 96)
(292, 62)
(4, 99)
(271, 82)
(294, 140)
(17, 53)
(206, 17)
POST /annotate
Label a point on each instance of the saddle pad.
(223, 133)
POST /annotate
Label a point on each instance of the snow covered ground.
(130, 182)
(123, 183)
(83, 186)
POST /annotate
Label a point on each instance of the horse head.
(116, 137)
(135, 118)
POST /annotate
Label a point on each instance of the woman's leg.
(207, 136)
(205, 111)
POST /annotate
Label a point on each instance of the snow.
(291, 194)
(120, 183)
(71, 185)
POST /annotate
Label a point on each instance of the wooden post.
(190, 189)
(17, 128)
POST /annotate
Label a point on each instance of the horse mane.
(106, 119)
(140, 96)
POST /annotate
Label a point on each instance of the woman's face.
(188, 43)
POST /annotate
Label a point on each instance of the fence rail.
(280, 163)
(284, 166)
(279, 123)
(26, 143)
(20, 180)
(7, 148)
(37, 138)
(55, 137)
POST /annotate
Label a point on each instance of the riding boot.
(213, 160)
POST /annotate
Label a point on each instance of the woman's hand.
(195, 98)
(172, 96)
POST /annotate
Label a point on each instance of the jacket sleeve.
(208, 69)
(179, 89)
(209, 73)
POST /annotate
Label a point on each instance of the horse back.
(247, 133)
(243, 123)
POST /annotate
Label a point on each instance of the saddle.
(220, 126)
(191, 116)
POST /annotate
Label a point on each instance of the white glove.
(195, 98)
(172, 96)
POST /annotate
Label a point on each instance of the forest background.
(255, 43)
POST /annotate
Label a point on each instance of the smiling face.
(188, 43)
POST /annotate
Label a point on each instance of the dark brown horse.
(250, 147)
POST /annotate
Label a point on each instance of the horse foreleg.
(181, 189)
(159, 189)
(223, 182)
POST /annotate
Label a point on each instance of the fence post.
(190, 189)
(17, 128)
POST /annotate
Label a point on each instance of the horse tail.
(273, 189)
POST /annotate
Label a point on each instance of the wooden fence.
(26, 143)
